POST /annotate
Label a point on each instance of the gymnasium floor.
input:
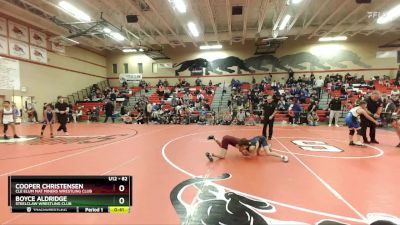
(355, 186)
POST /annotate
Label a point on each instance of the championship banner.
(57, 47)
(18, 49)
(38, 54)
(38, 38)
(130, 77)
(70, 194)
(18, 31)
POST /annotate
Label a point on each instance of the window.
(114, 68)
(140, 67)
(126, 70)
(155, 67)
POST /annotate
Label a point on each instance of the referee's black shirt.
(335, 105)
(372, 105)
(269, 109)
(61, 107)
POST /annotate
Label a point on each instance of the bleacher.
(155, 98)
(87, 106)
(282, 115)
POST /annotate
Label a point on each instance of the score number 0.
(121, 188)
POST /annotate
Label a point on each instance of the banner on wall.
(57, 47)
(9, 74)
(37, 38)
(3, 26)
(18, 49)
(3, 45)
(38, 54)
(18, 31)
(130, 77)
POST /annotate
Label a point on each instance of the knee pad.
(351, 133)
(359, 132)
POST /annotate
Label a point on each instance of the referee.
(62, 109)
(269, 116)
(374, 106)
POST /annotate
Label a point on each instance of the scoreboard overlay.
(70, 194)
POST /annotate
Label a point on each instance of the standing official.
(335, 106)
(319, 84)
(269, 117)
(62, 109)
(109, 109)
(374, 106)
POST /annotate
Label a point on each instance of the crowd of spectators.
(178, 104)
(298, 98)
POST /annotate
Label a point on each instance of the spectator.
(227, 119)
(313, 119)
(313, 106)
(241, 117)
(297, 111)
(197, 82)
(319, 83)
(281, 106)
(166, 84)
(109, 110)
(395, 91)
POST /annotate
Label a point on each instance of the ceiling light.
(129, 50)
(390, 15)
(117, 36)
(193, 29)
(179, 5)
(296, 1)
(208, 47)
(141, 50)
(107, 30)
(75, 12)
(284, 22)
(337, 38)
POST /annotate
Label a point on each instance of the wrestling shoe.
(351, 143)
(16, 136)
(209, 156)
(337, 125)
(374, 142)
(398, 146)
(211, 137)
(5, 137)
(285, 159)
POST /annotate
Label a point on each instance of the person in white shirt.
(313, 119)
(395, 91)
(7, 116)
(319, 83)
(241, 116)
